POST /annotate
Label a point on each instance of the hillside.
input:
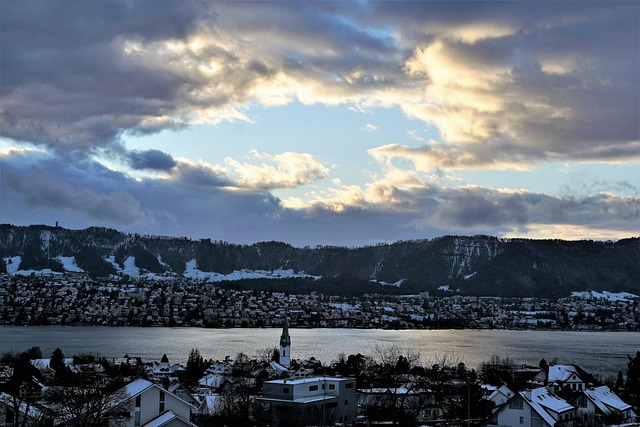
(477, 265)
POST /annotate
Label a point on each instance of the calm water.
(601, 353)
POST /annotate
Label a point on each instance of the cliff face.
(479, 265)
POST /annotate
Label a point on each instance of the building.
(145, 404)
(285, 345)
(310, 401)
(560, 377)
(535, 408)
(602, 404)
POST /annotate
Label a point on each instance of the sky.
(322, 123)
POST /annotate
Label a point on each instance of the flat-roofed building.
(310, 401)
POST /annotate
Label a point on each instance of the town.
(389, 387)
(76, 299)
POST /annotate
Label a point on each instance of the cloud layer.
(506, 85)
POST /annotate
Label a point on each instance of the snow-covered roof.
(559, 374)
(212, 381)
(277, 367)
(209, 403)
(500, 395)
(166, 418)
(45, 363)
(549, 401)
(137, 387)
(606, 400)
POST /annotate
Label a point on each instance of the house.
(145, 404)
(497, 396)
(209, 405)
(535, 408)
(310, 401)
(419, 402)
(601, 403)
(561, 376)
(178, 389)
(30, 415)
(160, 372)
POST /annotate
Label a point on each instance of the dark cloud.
(151, 159)
(77, 76)
(39, 189)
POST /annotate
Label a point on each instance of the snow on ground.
(444, 288)
(192, 272)
(12, 264)
(469, 276)
(612, 296)
(342, 306)
(130, 267)
(69, 264)
(383, 283)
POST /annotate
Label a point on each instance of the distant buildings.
(69, 299)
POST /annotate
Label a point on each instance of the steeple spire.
(285, 344)
(285, 339)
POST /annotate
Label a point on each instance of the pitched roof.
(137, 387)
(562, 372)
(606, 400)
(165, 418)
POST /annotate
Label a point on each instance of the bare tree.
(22, 387)
(236, 402)
(86, 400)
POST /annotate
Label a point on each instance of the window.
(348, 385)
(313, 387)
(346, 402)
(332, 386)
(137, 401)
(161, 406)
(516, 403)
(521, 420)
(285, 390)
(323, 386)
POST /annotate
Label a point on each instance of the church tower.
(285, 345)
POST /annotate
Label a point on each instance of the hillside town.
(276, 389)
(75, 299)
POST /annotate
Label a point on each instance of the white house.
(535, 408)
(145, 404)
(310, 401)
(601, 402)
(163, 370)
(560, 376)
(498, 395)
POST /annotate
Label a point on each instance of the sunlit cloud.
(285, 170)
(493, 86)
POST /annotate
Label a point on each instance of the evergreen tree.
(633, 379)
(195, 366)
(57, 364)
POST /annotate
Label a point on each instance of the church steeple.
(285, 344)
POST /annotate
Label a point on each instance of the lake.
(600, 353)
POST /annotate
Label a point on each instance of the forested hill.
(477, 265)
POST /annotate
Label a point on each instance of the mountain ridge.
(475, 265)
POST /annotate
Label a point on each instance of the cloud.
(369, 128)
(40, 186)
(415, 135)
(151, 159)
(285, 170)
(199, 200)
(553, 83)
(506, 85)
